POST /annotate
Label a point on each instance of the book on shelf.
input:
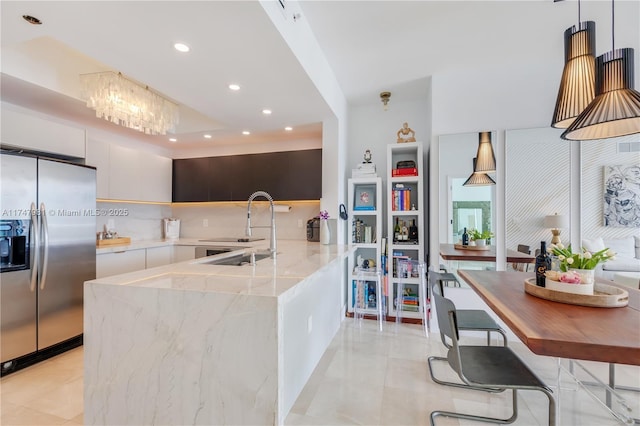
(411, 171)
(364, 295)
(361, 208)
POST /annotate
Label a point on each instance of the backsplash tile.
(144, 221)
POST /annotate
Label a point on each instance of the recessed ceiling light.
(207, 136)
(288, 128)
(173, 140)
(266, 111)
(32, 19)
(181, 47)
(246, 132)
(234, 87)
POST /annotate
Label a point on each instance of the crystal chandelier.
(126, 103)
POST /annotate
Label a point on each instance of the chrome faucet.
(272, 243)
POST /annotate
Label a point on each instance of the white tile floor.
(366, 377)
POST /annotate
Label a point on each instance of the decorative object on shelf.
(478, 178)
(485, 158)
(555, 222)
(577, 86)
(384, 97)
(406, 134)
(604, 295)
(622, 196)
(365, 197)
(615, 110)
(128, 104)
(365, 169)
(582, 260)
(325, 233)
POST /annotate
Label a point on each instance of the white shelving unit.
(409, 211)
(365, 207)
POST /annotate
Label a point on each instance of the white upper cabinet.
(38, 134)
(129, 174)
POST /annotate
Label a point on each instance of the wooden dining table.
(450, 252)
(561, 330)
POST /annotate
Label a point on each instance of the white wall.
(372, 128)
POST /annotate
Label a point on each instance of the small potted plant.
(480, 238)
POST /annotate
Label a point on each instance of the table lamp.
(555, 222)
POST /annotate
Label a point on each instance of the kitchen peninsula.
(197, 343)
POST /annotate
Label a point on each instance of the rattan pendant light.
(478, 178)
(486, 160)
(615, 111)
(577, 86)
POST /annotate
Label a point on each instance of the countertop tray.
(120, 241)
(477, 248)
(606, 296)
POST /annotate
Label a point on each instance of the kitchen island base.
(179, 348)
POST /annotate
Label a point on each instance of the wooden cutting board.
(120, 241)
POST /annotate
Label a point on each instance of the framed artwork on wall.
(622, 196)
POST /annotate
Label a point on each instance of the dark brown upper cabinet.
(290, 175)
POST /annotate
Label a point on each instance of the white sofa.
(627, 257)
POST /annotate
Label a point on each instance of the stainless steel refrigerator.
(47, 252)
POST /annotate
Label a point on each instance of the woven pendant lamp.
(577, 86)
(486, 160)
(615, 111)
(478, 178)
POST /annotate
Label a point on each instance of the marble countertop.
(145, 244)
(296, 260)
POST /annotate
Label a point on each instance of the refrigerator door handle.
(34, 249)
(45, 244)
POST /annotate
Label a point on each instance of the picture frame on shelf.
(364, 197)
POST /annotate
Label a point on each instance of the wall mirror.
(461, 206)
(537, 185)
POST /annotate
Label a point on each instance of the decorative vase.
(325, 234)
(481, 243)
(569, 288)
(587, 276)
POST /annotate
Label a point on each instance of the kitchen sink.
(239, 260)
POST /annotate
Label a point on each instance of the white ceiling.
(371, 45)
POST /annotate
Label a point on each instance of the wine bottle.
(405, 231)
(396, 231)
(413, 231)
(465, 237)
(543, 263)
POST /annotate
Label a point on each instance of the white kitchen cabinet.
(182, 253)
(125, 181)
(159, 256)
(129, 174)
(121, 262)
(98, 157)
(155, 177)
(34, 133)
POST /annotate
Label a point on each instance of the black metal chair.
(487, 368)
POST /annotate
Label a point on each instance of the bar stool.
(368, 297)
(409, 274)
